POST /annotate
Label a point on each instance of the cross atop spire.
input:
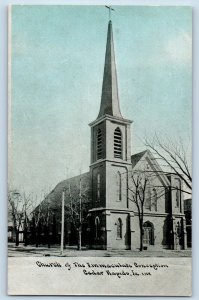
(109, 8)
(109, 98)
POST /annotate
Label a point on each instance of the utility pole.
(80, 214)
(62, 223)
(25, 221)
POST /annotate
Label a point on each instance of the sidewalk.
(71, 251)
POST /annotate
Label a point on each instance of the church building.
(130, 197)
(114, 221)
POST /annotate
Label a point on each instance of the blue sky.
(57, 68)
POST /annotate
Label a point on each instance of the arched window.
(177, 193)
(117, 143)
(140, 193)
(99, 144)
(148, 196)
(119, 229)
(98, 186)
(178, 229)
(177, 196)
(97, 227)
(154, 200)
(119, 184)
(178, 234)
(148, 236)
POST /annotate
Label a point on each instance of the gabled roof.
(146, 156)
(136, 157)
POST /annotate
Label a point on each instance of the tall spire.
(109, 98)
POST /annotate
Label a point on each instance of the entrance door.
(148, 238)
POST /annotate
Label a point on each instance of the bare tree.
(41, 214)
(140, 187)
(46, 217)
(174, 158)
(19, 205)
(138, 192)
(76, 207)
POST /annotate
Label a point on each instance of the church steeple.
(109, 99)
(110, 163)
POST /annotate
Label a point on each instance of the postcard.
(99, 191)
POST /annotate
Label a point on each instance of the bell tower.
(110, 163)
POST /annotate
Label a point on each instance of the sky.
(57, 61)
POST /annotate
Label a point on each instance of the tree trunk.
(17, 237)
(141, 235)
(141, 241)
(80, 239)
(78, 244)
(25, 237)
(48, 236)
(36, 238)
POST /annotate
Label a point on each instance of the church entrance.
(148, 237)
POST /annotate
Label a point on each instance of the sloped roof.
(71, 185)
(148, 156)
(136, 157)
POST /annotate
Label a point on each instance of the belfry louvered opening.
(99, 144)
(117, 143)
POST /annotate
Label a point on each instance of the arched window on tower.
(117, 143)
(119, 229)
(99, 144)
(154, 200)
(119, 185)
(98, 187)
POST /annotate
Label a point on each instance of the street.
(71, 251)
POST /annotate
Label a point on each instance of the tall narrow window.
(99, 144)
(148, 196)
(119, 229)
(98, 187)
(178, 229)
(178, 193)
(154, 200)
(177, 197)
(97, 227)
(117, 143)
(148, 236)
(119, 184)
